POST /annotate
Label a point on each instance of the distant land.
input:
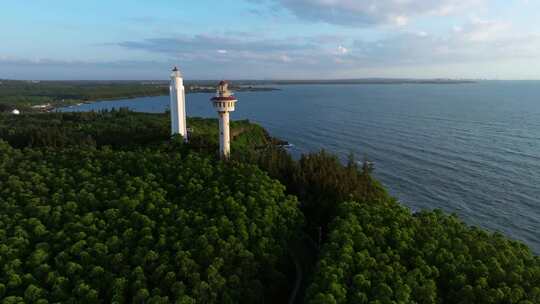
(46, 95)
(375, 81)
(35, 95)
(243, 82)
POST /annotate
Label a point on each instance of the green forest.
(381, 253)
(105, 207)
(121, 129)
(30, 95)
(24, 94)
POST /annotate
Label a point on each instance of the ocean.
(470, 149)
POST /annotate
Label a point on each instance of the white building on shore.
(178, 105)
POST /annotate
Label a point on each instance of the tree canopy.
(24, 94)
(105, 207)
(84, 225)
(382, 253)
(119, 129)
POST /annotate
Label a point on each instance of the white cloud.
(486, 30)
(477, 41)
(480, 43)
(371, 12)
(285, 58)
(457, 28)
(342, 50)
(400, 20)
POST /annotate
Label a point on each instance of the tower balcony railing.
(224, 106)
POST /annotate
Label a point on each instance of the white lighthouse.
(178, 104)
(224, 102)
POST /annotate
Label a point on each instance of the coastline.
(47, 108)
(373, 81)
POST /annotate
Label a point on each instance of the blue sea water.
(471, 149)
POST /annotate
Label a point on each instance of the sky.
(269, 39)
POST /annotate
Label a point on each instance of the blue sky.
(270, 39)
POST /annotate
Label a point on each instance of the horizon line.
(277, 79)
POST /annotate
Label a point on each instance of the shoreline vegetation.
(45, 96)
(106, 207)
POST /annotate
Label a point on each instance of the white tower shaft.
(225, 137)
(178, 106)
(224, 102)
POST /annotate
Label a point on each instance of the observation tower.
(178, 104)
(224, 102)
